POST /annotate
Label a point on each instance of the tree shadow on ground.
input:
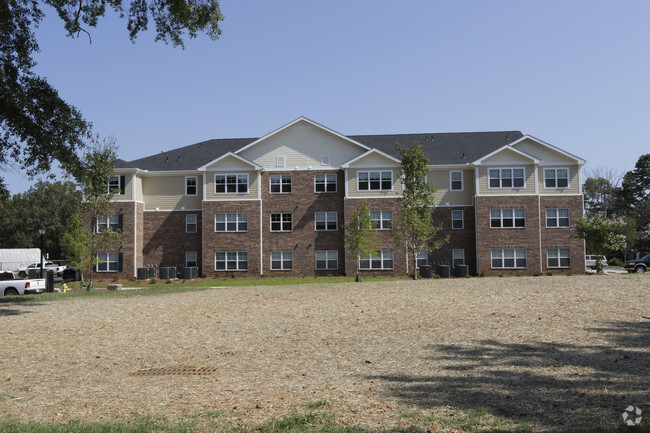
(556, 386)
(6, 302)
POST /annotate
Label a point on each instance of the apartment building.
(278, 204)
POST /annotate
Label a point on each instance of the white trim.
(462, 219)
(392, 181)
(366, 197)
(196, 185)
(370, 152)
(568, 177)
(236, 199)
(306, 120)
(502, 149)
(316, 268)
(507, 188)
(326, 221)
(579, 160)
(462, 181)
(261, 234)
(135, 237)
(172, 210)
(205, 167)
(219, 194)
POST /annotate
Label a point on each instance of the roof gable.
(373, 158)
(506, 154)
(229, 161)
(545, 152)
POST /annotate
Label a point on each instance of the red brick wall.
(563, 237)
(165, 240)
(459, 239)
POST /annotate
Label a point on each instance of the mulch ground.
(549, 351)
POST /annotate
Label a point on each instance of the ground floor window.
(231, 261)
(421, 259)
(458, 257)
(382, 259)
(191, 260)
(327, 259)
(281, 260)
(558, 258)
(509, 258)
(108, 262)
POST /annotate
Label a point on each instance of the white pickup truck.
(10, 286)
(48, 266)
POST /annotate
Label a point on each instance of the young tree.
(634, 201)
(360, 239)
(37, 125)
(414, 225)
(600, 189)
(86, 239)
(600, 234)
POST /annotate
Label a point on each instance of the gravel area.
(550, 351)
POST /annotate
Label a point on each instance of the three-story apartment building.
(278, 204)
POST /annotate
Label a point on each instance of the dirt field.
(550, 351)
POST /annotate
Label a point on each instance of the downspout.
(345, 219)
(259, 197)
(135, 225)
(475, 199)
(539, 216)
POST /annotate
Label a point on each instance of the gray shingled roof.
(440, 148)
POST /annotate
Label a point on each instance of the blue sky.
(573, 73)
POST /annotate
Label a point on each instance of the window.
(559, 258)
(281, 260)
(327, 259)
(191, 259)
(280, 183)
(326, 221)
(557, 217)
(381, 219)
(230, 183)
(457, 219)
(507, 218)
(509, 258)
(506, 178)
(556, 178)
(109, 223)
(116, 185)
(380, 260)
(325, 182)
(281, 222)
(190, 185)
(230, 222)
(108, 262)
(458, 257)
(231, 261)
(421, 259)
(375, 180)
(190, 223)
(456, 180)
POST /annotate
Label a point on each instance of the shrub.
(168, 281)
(615, 261)
(500, 275)
(152, 281)
(549, 274)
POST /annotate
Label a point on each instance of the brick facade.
(165, 240)
(562, 237)
(459, 239)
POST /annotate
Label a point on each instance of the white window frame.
(239, 219)
(461, 219)
(283, 220)
(189, 223)
(381, 180)
(225, 184)
(187, 185)
(280, 161)
(238, 258)
(327, 257)
(556, 179)
(421, 258)
(381, 258)
(451, 181)
(503, 218)
(285, 257)
(189, 260)
(558, 254)
(326, 218)
(326, 182)
(514, 254)
(108, 223)
(457, 255)
(114, 185)
(511, 178)
(557, 218)
(278, 180)
(105, 261)
(383, 222)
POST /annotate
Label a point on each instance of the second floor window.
(281, 222)
(375, 180)
(556, 178)
(506, 178)
(108, 223)
(230, 222)
(280, 183)
(190, 185)
(230, 183)
(557, 217)
(325, 183)
(507, 218)
(190, 223)
(456, 180)
(325, 221)
(381, 219)
(456, 219)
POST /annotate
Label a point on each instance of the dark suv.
(640, 265)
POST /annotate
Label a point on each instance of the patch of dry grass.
(550, 351)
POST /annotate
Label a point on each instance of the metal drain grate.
(176, 371)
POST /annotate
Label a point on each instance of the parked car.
(590, 261)
(14, 287)
(48, 266)
(641, 265)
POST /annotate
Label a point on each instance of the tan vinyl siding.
(507, 156)
(128, 188)
(302, 145)
(139, 195)
(354, 192)
(230, 163)
(543, 153)
(168, 193)
(529, 181)
(253, 187)
(439, 178)
(574, 180)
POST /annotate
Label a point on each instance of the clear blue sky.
(573, 73)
